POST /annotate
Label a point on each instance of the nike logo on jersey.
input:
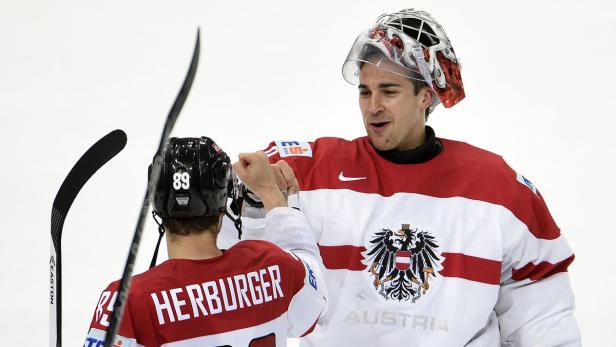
(343, 178)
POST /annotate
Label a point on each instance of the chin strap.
(161, 231)
(236, 207)
(237, 222)
(237, 200)
(250, 198)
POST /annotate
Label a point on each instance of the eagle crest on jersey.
(402, 262)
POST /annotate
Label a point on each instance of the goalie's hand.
(259, 176)
(285, 177)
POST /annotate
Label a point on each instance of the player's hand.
(285, 177)
(255, 171)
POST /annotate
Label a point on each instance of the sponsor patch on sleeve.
(526, 182)
(294, 149)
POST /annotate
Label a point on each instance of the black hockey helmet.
(195, 179)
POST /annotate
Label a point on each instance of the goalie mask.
(419, 48)
(195, 179)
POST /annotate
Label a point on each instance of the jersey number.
(181, 180)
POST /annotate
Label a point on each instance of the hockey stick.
(118, 309)
(92, 160)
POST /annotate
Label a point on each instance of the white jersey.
(458, 250)
(254, 295)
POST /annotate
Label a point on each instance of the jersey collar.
(426, 152)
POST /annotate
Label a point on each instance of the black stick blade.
(92, 160)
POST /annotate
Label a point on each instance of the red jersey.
(254, 294)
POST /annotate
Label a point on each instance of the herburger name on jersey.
(402, 262)
(207, 298)
(222, 295)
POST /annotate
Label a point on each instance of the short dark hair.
(191, 225)
(418, 83)
(417, 86)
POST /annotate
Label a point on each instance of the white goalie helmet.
(418, 45)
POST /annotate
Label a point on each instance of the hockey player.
(253, 294)
(426, 241)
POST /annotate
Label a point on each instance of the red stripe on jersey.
(461, 170)
(311, 328)
(471, 268)
(541, 270)
(342, 257)
(455, 264)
